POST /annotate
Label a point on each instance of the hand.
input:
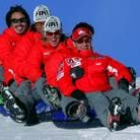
(77, 72)
(133, 75)
(123, 84)
(79, 95)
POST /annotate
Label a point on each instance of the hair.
(33, 28)
(63, 37)
(84, 25)
(14, 9)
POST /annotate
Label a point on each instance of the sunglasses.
(20, 20)
(51, 33)
(80, 41)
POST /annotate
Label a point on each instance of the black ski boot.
(17, 113)
(32, 118)
(114, 113)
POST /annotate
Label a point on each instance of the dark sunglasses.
(51, 33)
(80, 41)
(21, 20)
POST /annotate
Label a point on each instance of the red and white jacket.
(97, 69)
(52, 65)
(64, 50)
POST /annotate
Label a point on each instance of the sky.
(116, 23)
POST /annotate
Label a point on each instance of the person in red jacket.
(23, 50)
(40, 14)
(18, 22)
(58, 56)
(90, 88)
(23, 86)
(31, 68)
(40, 56)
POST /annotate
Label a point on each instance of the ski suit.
(21, 54)
(12, 56)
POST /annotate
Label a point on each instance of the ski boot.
(115, 108)
(78, 111)
(17, 113)
(53, 96)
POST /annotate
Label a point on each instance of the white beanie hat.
(52, 24)
(40, 14)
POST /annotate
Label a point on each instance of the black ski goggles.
(20, 20)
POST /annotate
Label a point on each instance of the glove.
(123, 84)
(77, 72)
(133, 75)
(79, 95)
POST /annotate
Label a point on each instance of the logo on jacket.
(46, 53)
(98, 64)
(112, 70)
(73, 62)
(60, 72)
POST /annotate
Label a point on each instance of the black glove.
(134, 75)
(79, 95)
(123, 84)
(77, 72)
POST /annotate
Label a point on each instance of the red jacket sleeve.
(52, 64)
(6, 50)
(51, 68)
(118, 70)
(64, 79)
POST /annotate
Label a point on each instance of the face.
(53, 38)
(84, 43)
(39, 27)
(19, 22)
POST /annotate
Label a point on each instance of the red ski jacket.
(64, 50)
(97, 70)
(22, 52)
(39, 57)
(9, 40)
(52, 65)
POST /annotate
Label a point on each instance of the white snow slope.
(9, 130)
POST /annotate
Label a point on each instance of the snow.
(10, 130)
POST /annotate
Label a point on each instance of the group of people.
(38, 62)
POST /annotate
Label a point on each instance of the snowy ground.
(10, 130)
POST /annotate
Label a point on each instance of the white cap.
(52, 24)
(41, 13)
